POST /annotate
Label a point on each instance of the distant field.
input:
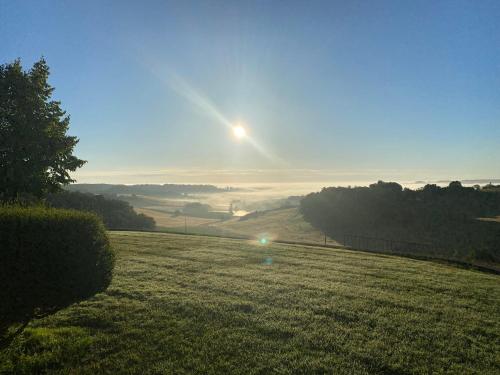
(497, 219)
(167, 220)
(188, 304)
(284, 224)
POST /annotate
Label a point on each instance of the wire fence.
(356, 242)
(387, 245)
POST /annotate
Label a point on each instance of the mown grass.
(188, 304)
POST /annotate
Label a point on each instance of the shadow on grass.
(39, 350)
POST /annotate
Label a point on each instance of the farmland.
(174, 222)
(283, 224)
(193, 304)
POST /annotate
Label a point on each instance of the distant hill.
(284, 224)
(480, 181)
(115, 214)
(165, 190)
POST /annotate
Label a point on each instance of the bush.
(49, 259)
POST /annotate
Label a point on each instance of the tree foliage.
(116, 214)
(446, 219)
(36, 154)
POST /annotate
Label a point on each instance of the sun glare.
(239, 131)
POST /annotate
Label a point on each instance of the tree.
(433, 221)
(36, 155)
(116, 214)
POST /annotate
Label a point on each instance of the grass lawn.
(188, 304)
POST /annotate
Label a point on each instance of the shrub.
(49, 259)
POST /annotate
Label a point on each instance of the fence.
(387, 245)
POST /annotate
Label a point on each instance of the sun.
(239, 131)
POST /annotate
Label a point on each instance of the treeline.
(267, 204)
(492, 188)
(115, 214)
(445, 221)
(169, 190)
(197, 209)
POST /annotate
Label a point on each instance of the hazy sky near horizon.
(344, 90)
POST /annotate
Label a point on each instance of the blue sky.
(327, 90)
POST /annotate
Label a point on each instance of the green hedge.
(49, 259)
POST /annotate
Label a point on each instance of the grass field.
(283, 224)
(174, 222)
(187, 304)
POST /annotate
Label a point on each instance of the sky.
(327, 91)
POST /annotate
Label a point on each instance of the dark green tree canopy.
(36, 154)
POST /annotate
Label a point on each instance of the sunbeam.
(202, 102)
